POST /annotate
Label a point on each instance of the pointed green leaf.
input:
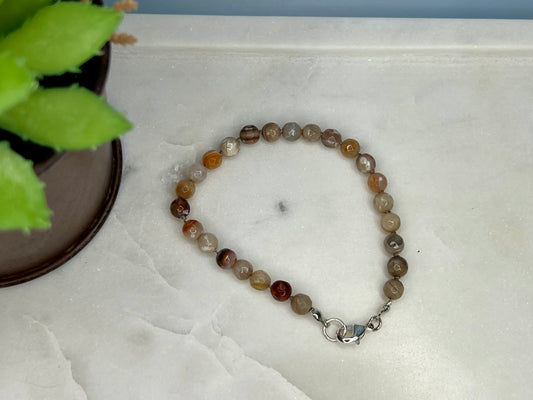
(22, 199)
(62, 36)
(16, 83)
(13, 13)
(71, 118)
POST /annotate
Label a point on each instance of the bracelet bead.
(260, 280)
(301, 304)
(180, 208)
(312, 132)
(350, 148)
(197, 172)
(212, 159)
(226, 258)
(192, 229)
(281, 290)
(390, 222)
(383, 202)
(393, 243)
(331, 138)
(377, 182)
(249, 134)
(291, 131)
(393, 289)
(271, 132)
(365, 163)
(207, 242)
(230, 146)
(185, 188)
(397, 266)
(242, 269)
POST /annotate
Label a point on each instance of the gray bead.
(197, 172)
(291, 131)
(230, 146)
(393, 243)
(207, 242)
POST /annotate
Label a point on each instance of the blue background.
(346, 8)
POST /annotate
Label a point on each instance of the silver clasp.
(352, 333)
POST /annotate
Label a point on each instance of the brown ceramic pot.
(81, 187)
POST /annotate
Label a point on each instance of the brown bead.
(331, 138)
(390, 222)
(393, 289)
(260, 280)
(249, 134)
(397, 266)
(212, 159)
(180, 208)
(383, 202)
(365, 163)
(312, 132)
(281, 290)
(242, 269)
(350, 148)
(301, 304)
(226, 258)
(393, 243)
(377, 182)
(185, 188)
(271, 132)
(192, 229)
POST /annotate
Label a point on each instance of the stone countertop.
(444, 106)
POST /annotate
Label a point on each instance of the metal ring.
(340, 332)
(374, 323)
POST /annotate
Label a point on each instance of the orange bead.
(377, 182)
(185, 188)
(350, 148)
(212, 159)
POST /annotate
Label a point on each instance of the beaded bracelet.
(334, 329)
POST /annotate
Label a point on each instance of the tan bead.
(207, 242)
(271, 132)
(393, 243)
(260, 280)
(397, 266)
(331, 138)
(390, 222)
(185, 188)
(212, 159)
(192, 229)
(312, 132)
(291, 131)
(301, 304)
(242, 269)
(249, 134)
(383, 202)
(377, 182)
(230, 146)
(393, 289)
(350, 148)
(365, 163)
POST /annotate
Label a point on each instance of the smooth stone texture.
(271, 132)
(192, 229)
(212, 159)
(383, 202)
(312, 132)
(365, 163)
(230, 146)
(260, 280)
(397, 266)
(301, 303)
(281, 290)
(249, 134)
(350, 148)
(242, 269)
(377, 182)
(331, 138)
(393, 243)
(207, 242)
(226, 258)
(390, 222)
(196, 172)
(180, 208)
(393, 289)
(291, 131)
(185, 188)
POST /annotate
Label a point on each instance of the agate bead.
(185, 188)
(350, 148)
(249, 134)
(230, 146)
(196, 172)
(390, 222)
(271, 132)
(226, 258)
(393, 243)
(331, 138)
(365, 163)
(397, 266)
(180, 208)
(383, 202)
(207, 242)
(377, 182)
(291, 131)
(260, 280)
(192, 229)
(281, 290)
(242, 269)
(312, 132)
(301, 304)
(393, 289)
(212, 159)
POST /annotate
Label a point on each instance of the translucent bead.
(271, 132)
(350, 148)
(260, 280)
(291, 131)
(397, 266)
(192, 229)
(301, 304)
(383, 202)
(207, 242)
(390, 222)
(212, 159)
(180, 208)
(230, 146)
(281, 290)
(377, 182)
(196, 172)
(393, 289)
(312, 132)
(393, 243)
(185, 188)
(331, 138)
(242, 269)
(365, 163)
(249, 134)
(226, 258)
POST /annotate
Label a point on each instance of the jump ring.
(340, 332)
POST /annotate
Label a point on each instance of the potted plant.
(49, 55)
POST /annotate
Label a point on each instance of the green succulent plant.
(40, 38)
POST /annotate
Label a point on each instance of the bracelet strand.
(334, 329)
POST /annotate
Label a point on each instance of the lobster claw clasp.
(352, 333)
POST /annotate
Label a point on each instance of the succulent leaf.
(22, 199)
(16, 83)
(13, 13)
(71, 118)
(62, 36)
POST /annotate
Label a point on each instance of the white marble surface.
(445, 108)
